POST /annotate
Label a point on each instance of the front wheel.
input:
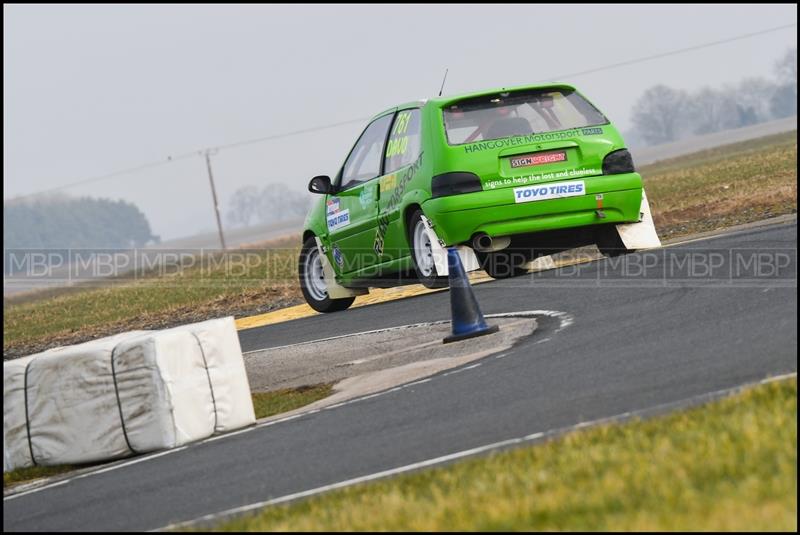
(312, 281)
(422, 254)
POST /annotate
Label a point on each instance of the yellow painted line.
(277, 316)
(375, 296)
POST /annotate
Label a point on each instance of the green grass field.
(715, 188)
(279, 401)
(704, 191)
(729, 465)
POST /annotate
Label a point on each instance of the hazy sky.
(89, 90)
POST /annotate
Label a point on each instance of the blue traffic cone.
(467, 319)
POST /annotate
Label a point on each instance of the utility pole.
(214, 196)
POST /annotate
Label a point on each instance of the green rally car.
(504, 175)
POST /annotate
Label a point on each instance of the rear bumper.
(459, 217)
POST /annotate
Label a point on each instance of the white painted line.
(280, 420)
(370, 396)
(566, 321)
(95, 472)
(226, 435)
(687, 402)
(776, 378)
(473, 366)
(35, 489)
(766, 226)
(337, 405)
(415, 383)
(374, 331)
(346, 483)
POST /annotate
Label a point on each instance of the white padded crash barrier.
(641, 235)
(130, 393)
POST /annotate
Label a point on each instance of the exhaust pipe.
(484, 243)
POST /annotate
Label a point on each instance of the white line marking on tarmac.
(374, 331)
(96, 472)
(473, 451)
(734, 233)
(419, 382)
(565, 319)
(337, 405)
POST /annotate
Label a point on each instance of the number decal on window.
(397, 146)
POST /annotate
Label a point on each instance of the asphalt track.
(662, 327)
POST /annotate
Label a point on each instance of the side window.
(364, 162)
(404, 142)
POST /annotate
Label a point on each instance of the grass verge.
(698, 192)
(279, 401)
(727, 465)
(21, 475)
(724, 186)
(264, 403)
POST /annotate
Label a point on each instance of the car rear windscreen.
(518, 113)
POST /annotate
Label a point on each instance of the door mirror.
(320, 184)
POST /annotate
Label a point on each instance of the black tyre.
(422, 253)
(608, 241)
(504, 264)
(312, 281)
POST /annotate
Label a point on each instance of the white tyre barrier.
(131, 393)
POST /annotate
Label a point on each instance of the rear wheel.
(505, 263)
(422, 253)
(608, 241)
(312, 281)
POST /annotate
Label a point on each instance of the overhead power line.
(201, 152)
(183, 156)
(670, 53)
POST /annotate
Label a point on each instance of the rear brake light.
(618, 162)
(455, 183)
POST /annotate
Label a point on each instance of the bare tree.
(271, 202)
(243, 206)
(754, 95)
(659, 114)
(278, 202)
(786, 67)
(712, 110)
(784, 101)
